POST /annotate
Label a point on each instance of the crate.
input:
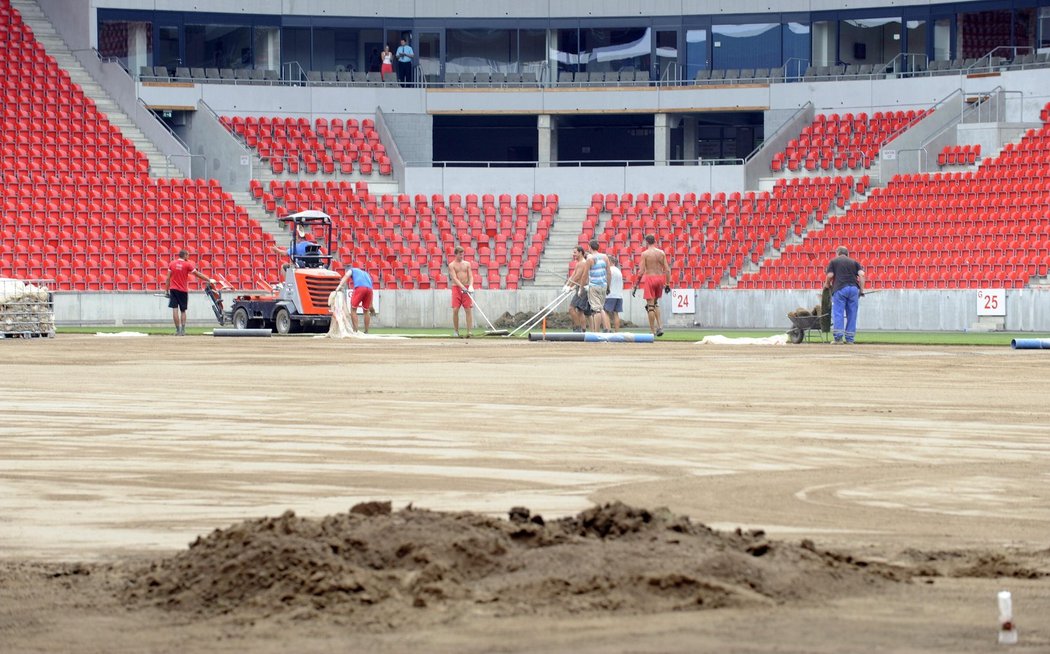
(27, 308)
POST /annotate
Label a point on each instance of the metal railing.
(904, 64)
(290, 69)
(576, 163)
(672, 73)
(777, 133)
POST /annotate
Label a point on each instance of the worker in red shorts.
(177, 285)
(361, 297)
(461, 274)
(655, 276)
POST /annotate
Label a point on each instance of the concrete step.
(258, 213)
(563, 237)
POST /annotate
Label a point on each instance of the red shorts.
(653, 286)
(362, 298)
(461, 298)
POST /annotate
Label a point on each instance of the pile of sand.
(556, 320)
(378, 569)
(510, 320)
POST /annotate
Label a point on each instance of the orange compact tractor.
(300, 301)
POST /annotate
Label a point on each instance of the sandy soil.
(117, 454)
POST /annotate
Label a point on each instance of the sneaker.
(456, 334)
(659, 332)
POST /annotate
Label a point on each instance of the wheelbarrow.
(803, 328)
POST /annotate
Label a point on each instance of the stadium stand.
(985, 228)
(81, 208)
(294, 145)
(710, 238)
(79, 205)
(407, 241)
(843, 142)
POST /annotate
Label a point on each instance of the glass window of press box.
(128, 41)
(668, 47)
(219, 46)
(603, 49)
(495, 50)
(869, 40)
(754, 45)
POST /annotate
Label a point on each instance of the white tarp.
(341, 327)
(718, 339)
(121, 334)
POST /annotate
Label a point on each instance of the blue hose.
(592, 337)
(1030, 343)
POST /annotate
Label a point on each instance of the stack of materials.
(26, 309)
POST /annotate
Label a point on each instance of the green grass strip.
(671, 335)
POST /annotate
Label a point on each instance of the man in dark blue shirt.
(845, 278)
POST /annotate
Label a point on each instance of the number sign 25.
(991, 302)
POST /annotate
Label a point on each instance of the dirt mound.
(511, 320)
(381, 569)
(554, 321)
(977, 564)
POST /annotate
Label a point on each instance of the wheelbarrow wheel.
(796, 335)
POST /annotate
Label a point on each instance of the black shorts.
(178, 300)
(580, 302)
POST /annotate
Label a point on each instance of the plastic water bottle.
(1007, 628)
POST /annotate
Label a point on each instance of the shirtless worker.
(579, 305)
(461, 274)
(654, 275)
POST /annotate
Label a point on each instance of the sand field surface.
(202, 494)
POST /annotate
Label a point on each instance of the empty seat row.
(602, 77)
(954, 155)
(738, 75)
(294, 145)
(487, 79)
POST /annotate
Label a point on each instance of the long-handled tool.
(565, 294)
(492, 328)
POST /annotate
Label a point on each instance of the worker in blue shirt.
(361, 297)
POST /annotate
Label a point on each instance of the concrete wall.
(72, 20)
(217, 154)
(911, 310)
(574, 186)
(504, 8)
(780, 127)
(414, 135)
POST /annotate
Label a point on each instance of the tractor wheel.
(282, 321)
(240, 318)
